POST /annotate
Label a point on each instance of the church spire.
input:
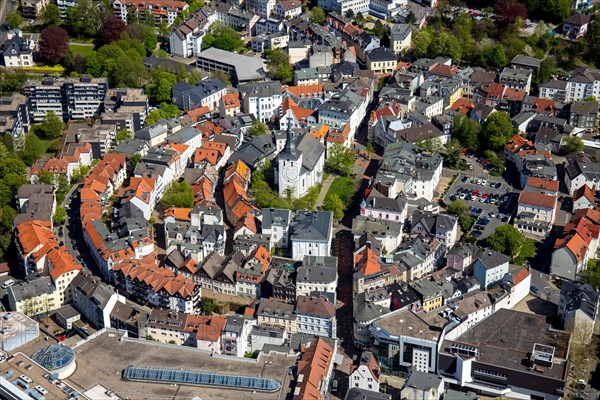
(290, 146)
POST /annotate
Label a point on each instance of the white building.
(490, 267)
(316, 279)
(311, 234)
(300, 165)
(346, 107)
(276, 224)
(366, 374)
(262, 99)
(18, 51)
(235, 339)
(316, 316)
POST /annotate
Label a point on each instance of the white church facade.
(300, 165)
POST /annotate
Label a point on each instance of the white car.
(479, 181)
(8, 283)
(483, 182)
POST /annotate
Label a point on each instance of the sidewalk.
(326, 185)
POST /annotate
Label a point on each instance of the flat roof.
(246, 68)
(105, 358)
(408, 324)
(506, 338)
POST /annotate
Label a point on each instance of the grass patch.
(344, 187)
(79, 49)
(76, 40)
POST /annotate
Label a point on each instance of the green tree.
(334, 204)
(497, 57)
(222, 37)
(380, 30)
(433, 144)
(350, 13)
(129, 71)
(80, 173)
(33, 150)
(593, 273)
(93, 66)
(421, 41)
(572, 144)
(162, 87)
(339, 160)
(279, 65)
(258, 129)
(51, 128)
(133, 161)
(123, 134)
(166, 110)
(14, 19)
(178, 194)
(466, 131)
(506, 239)
(452, 156)
(495, 131)
(60, 216)
(84, 18)
(457, 208)
(47, 178)
(317, 15)
(145, 35)
(50, 15)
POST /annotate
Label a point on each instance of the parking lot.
(490, 201)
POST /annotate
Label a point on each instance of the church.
(299, 166)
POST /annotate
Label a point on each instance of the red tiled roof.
(537, 199)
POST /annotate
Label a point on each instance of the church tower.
(289, 166)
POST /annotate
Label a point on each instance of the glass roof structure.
(186, 377)
(54, 357)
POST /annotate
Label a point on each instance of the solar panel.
(172, 375)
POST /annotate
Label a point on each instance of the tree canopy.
(279, 65)
(54, 44)
(179, 194)
(506, 239)
(222, 37)
(317, 15)
(50, 15)
(112, 29)
(496, 131)
(340, 160)
(166, 110)
(85, 18)
(573, 144)
(51, 127)
(258, 128)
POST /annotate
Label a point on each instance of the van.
(8, 283)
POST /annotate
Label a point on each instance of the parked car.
(8, 283)
(534, 289)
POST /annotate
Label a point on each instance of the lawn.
(344, 187)
(80, 49)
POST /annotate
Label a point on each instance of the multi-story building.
(262, 99)
(14, 116)
(264, 8)
(311, 234)
(278, 314)
(276, 224)
(94, 299)
(69, 98)
(320, 280)
(516, 78)
(205, 94)
(33, 8)
(366, 373)
(536, 213)
(346, 107)
(316, 316)
(18, 51)
(401, 37)
(235, 339)
(582, 83)
(34, 297)
(490, 267)
(160, 10)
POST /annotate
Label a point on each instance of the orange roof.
(493, 89)
(403, 65)
(367, 262)
(516, 143)
(210, 153)
(34, 233)
(519, 276)
(321, 132)
(339, 136)
(541, 183)
(444, 70)
(196, 113)
(231, 100)
(206, 328)
(88, 194)
(263, 256)
(537, 199)
(544, 105)
(576, 246)
(62, 263)
(514, 94)
(584, 191)
(314, 367)
(463, 105)
(315, 90)
(179, 213)
(248, 222)
(239, 168)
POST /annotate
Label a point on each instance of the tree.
(123, 134)
(457, 208)
(166, 110)
(466, 131)
(334, 204)
(59, 216)
(507, 11)
(222, 37)
(317, 15)
(350, 13)
(80, 173)
(258, 129)
(421, 41)
(279, 65)
(179, 194)
(133, 161)
(50, 128)
(496, 130)
(84, 18)
(143, 34)
(452, 157)
(33, 150)
(411, 18)
(93, 65)
(162, 87)
(433, 144)
(129, 71)
(380, 30)
(339, 160)
(50, 15)
(573, 144)
(54, 44)
(506, 239)
(112, 29)
(14, 19)
(47, 178)
(547, 67)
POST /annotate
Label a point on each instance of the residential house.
(382, 61)
(314, 371)
(584, 115)
(581, 170)
(578, 306)
(276, 314)
(516, 78)
(235, 340)
(18, 51)
(276, 224)
(422, 385)
(576, 26)
(206, 93)
(400, 37)
(536, 214)
(159, 10)
(262, 99)
(230, 104)
(490, 267)
(311, 234)
(436, 226)
(377, 205)
(317, 280)
(316, 316)
(584, 198)
(365, 374)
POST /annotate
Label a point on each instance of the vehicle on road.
(8, 283)
(534, 289)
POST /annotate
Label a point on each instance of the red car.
(61, 338)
